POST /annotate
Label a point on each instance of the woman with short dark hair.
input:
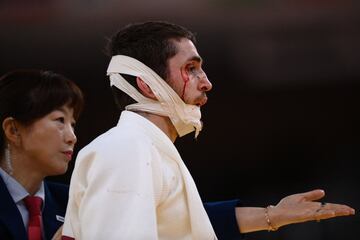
(38, 110)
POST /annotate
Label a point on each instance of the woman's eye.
(61, 119)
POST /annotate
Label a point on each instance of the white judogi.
(131, 183)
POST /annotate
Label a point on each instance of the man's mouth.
(202, 102)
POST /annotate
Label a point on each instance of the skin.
(296, 208)
(43, 148)
(186, 77)
(186, 67)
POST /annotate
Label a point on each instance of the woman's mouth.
(68, 154)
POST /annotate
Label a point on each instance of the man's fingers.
(330, 210)
(325, 214)
(339, 209)
(313, 195)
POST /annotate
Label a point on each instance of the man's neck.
(162, 122)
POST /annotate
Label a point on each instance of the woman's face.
(47, 144)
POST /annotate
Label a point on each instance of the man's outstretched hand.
(304, 207)
(296, 208)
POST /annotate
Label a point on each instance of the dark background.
(282, 117)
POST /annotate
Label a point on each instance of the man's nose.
(205, 84)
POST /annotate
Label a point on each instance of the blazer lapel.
(51, 214)
(10, 216)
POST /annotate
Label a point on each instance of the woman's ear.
(145, 89)
(10, 130)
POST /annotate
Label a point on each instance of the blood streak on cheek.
(183, 91)
(191, 75)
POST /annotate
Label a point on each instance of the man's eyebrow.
(196, 59)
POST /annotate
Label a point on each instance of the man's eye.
(191, 68)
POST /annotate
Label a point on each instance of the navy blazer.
(11, 224)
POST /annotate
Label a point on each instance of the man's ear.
(145, 89)
(10, 130)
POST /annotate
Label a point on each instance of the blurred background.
(282, 117)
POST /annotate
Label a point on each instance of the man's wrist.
(269, 218)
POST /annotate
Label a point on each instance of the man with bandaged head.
(131, 183)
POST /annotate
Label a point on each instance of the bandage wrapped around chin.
(185, 117)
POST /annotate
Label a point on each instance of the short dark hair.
(29, 94)
(152, 43)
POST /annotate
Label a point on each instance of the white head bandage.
(185, 117)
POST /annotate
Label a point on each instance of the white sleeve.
(112, 195)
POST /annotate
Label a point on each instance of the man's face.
(185, 74)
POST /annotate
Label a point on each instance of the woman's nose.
(70, 136)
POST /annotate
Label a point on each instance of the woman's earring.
(8, 164)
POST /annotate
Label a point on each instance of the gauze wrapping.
(185, 117)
